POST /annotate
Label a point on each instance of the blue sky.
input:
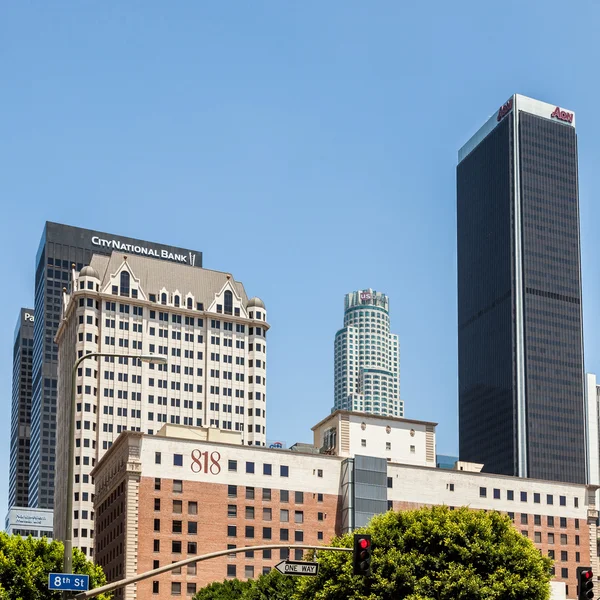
(308, 148)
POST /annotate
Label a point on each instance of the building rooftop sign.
(562, 115)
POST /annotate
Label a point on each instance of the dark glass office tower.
(520, 342)
(60, 247)
(20, 419)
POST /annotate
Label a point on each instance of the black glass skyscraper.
(62, 246)
(520, 342)
(18, 479)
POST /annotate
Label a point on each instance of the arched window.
(189, 303)
(124, 283)
(163, 298)
(176, 301)
(228, 301)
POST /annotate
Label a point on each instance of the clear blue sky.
(307, 147)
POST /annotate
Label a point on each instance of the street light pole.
(68, 541)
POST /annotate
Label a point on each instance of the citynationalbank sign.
(187, 259)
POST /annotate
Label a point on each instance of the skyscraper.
(366, 356)
(520, 342)
(592, 394)
(213, 340)
(18, 483)
(60, 247)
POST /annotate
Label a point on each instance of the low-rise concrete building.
(34, 522)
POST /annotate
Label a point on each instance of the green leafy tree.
(229, 589)
(435, 554)
(272, 586)
(25, 564)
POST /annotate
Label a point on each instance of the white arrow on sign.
(297, 567)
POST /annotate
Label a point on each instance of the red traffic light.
(585, 583)
(361, 559)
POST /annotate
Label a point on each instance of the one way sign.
(293, 567)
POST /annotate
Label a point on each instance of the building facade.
(520, 343)
(212, 338)
(367, 357)
(20, 417)
(61, 247)
(154, 494)
(34, 522)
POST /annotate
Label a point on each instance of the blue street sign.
(69, 582)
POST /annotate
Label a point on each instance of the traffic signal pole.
(194, 559)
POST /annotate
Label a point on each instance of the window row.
(177, 526)
(524, 496)
(177, 506)
(177, 547)
(564, 538)
(176, 587)
(284, 495)
(284, 470)
(267, 513)
(267, 533)
(537, 520)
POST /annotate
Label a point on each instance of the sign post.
(298, 567)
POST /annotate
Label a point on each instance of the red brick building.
(162, 499)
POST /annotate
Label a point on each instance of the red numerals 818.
(200, 462)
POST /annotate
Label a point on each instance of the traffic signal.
(361, 559)
(585, 583)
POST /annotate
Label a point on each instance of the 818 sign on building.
(205, 462)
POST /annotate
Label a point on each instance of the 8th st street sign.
(297, 567)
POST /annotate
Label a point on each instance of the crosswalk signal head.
(585, 583)
(361, 558)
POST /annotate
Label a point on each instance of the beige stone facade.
(212, 337)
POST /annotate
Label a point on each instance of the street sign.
(70, 582)
(298, 567)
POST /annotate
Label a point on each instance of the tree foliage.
(25, 564)
(272, 586)
(229, 589)
(436, 554)
(427, 554)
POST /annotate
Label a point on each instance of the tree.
(435, 554)
(25, 564)
(229, 589)
(272, 586)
